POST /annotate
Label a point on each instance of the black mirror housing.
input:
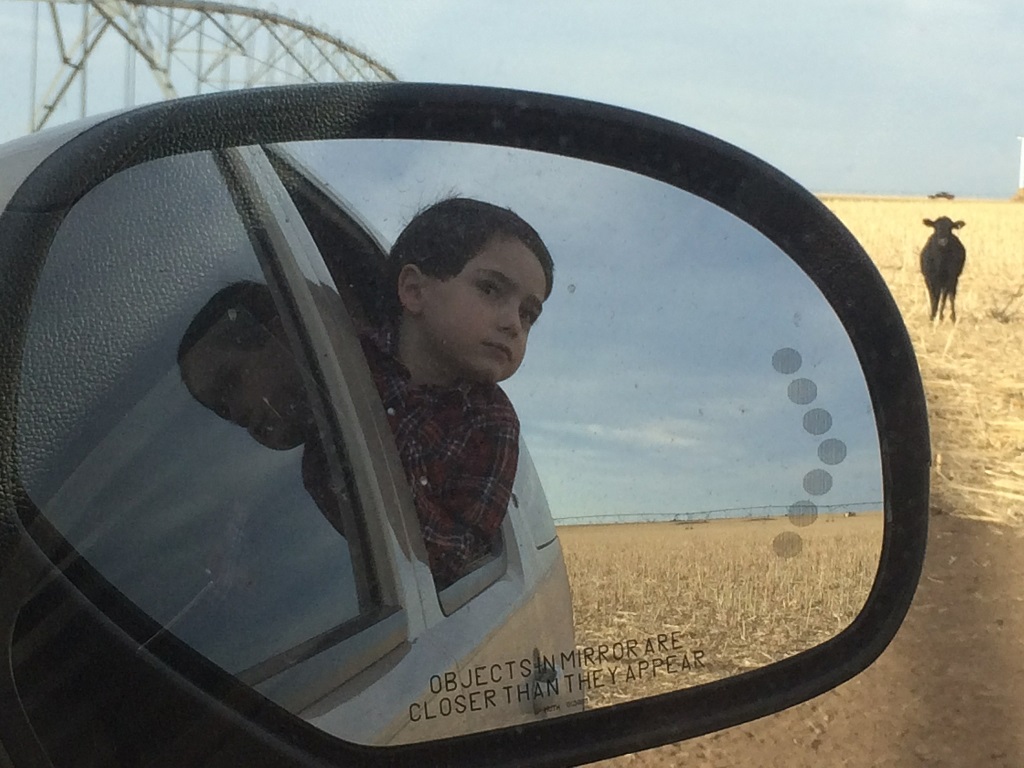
(191, 711)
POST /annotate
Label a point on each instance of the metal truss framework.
(193, 47)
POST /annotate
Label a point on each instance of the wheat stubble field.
(719, 588)
(949, 690)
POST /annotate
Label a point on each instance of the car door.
(207, 541)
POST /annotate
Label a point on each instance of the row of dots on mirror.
(831, 452)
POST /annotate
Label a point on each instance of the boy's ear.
(410, 288)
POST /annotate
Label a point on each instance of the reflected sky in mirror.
(684, 368)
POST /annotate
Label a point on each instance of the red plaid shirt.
(459, 447)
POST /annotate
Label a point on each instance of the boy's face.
(473, 326)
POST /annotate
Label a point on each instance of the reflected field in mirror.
(725, 597)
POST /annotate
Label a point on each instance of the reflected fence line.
(765, 512)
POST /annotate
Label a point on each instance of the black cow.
(942, 261)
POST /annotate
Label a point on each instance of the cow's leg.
(933, 298)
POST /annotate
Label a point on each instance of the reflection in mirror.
(698, 491)
(695, 411)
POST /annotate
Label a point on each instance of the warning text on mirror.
(548, 683)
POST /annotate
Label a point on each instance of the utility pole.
(1020, 175)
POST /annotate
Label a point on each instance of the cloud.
(666, 433)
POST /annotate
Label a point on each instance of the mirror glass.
(694, 409)
(698, 491)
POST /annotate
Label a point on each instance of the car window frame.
(318, 324)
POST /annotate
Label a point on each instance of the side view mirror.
(213, 548)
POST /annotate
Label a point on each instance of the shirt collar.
(385, 338)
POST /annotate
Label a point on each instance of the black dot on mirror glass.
(788, 544)
(802, 391)
(817, 421)
(803, 513)
(817, 482)
(786, 360)
(832, 451)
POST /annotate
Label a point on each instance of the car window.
(227, 535)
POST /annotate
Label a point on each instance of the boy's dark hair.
(440, 240)
(248, 309)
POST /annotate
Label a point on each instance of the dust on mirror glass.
(698, 490)
(696, 415)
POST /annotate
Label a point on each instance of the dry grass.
(721, 587)
(973, 377)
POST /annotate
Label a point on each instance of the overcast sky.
(881, 96)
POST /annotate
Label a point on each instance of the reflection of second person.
(468, 282)
(235, 359)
